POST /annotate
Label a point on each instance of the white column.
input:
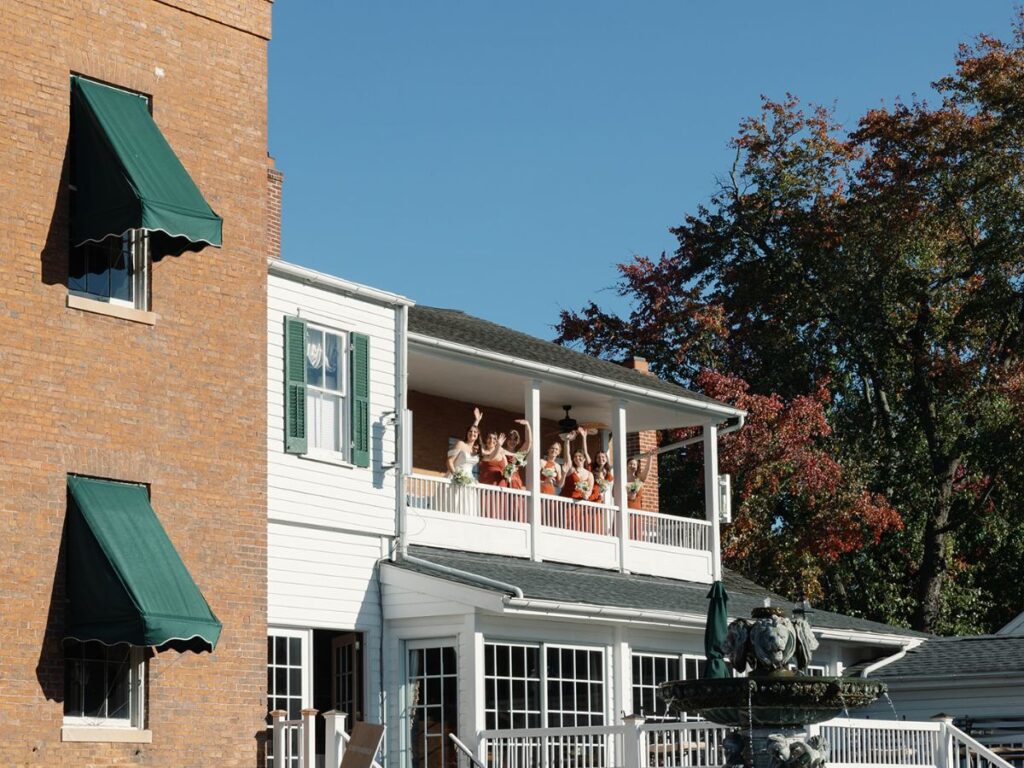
(618, 423)
(632, 742)
(622, 673)
(532, 411)
(308, 738)
(711, 498)
(334, 741)
(277, 720)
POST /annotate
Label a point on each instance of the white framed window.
(287, 683)
(327, 410)
(115, 270)
(650, 670)
(103, 685)
(432, 703)
(566, 690)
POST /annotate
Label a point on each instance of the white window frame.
(136, 699)
(544, 647)
(305, 638)
(343, 396)
(136, 243)
(682, 658)
(405, 741)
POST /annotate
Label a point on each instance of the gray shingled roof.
(964, 655)
(594, 586)
(458, 327)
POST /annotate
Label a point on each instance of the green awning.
(126, 175)
(126, 583)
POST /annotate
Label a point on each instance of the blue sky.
(501, 158)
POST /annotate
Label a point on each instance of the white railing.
(442, 495)
(853, 743)
(857, 742)
(583, 516)
(564, 530)
(669, 530)
(681, 745)
(292, 741)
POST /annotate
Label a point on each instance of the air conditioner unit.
(724, 499)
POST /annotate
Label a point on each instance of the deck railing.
(293, 742)
(853, 743)
(568, 530)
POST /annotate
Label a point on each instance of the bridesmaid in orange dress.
(603, 479)
(515, 454)
(640, 527)
(492, 472)
(551, 470)
(578, 484)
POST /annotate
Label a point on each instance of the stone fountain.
(770, 707)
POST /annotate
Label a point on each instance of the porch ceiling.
(491, 383)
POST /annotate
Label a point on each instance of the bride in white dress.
(463, 458)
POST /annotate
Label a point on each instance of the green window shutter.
(360, 399)
(294, 385)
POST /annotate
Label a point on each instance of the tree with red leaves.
(861, 294)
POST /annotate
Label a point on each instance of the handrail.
(970, 743)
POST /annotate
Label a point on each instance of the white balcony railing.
(636, 744)
(496, 520)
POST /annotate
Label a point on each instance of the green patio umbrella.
(714, 631)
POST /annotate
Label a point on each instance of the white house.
(398, 597)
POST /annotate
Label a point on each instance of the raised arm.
(645, 466)
(527, 443)
(582, 432)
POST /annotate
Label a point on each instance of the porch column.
(619, 458)
(711, 497)
(308, 738)
(334, 744)
(532, 411)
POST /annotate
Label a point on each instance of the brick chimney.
(637, 363)
(644, 442)
(274, 181)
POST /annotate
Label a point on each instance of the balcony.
(485, 518)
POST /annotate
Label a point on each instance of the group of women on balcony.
(496, 459)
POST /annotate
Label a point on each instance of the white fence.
(293, 742)
(498, 520)
(853, 743)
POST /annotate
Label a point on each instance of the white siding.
(959, 698)
(304, 490)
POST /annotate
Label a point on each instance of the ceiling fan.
(567, 426)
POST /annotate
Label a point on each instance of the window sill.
(107, 735)
(111, 310)
(327, 458)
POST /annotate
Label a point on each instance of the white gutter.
(329, 282)
(700, 437)
(582, 610)
(563, 373)
(473, 577)
(890, 659)
(853, 636)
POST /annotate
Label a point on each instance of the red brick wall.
(275, 180)
(179, 405)
(643, 442)
(435, 419)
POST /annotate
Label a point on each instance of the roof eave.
(627, 390)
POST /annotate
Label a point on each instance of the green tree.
(885, 264)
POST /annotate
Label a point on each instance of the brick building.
(133, 357)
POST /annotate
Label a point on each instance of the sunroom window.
(650, 670)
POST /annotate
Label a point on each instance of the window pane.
(77, 269)
(93, 686)
(332, 378)
(121, 274)
(314, 357)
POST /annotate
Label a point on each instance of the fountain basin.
(779, 701)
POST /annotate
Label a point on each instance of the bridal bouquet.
(548, 472)
(634, 488)
(520, 458)
(463, 477)
(509, 469)
(584, 488)
(603, 485)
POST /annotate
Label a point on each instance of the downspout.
(402, 438)
(888, 659)
(466, 575)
